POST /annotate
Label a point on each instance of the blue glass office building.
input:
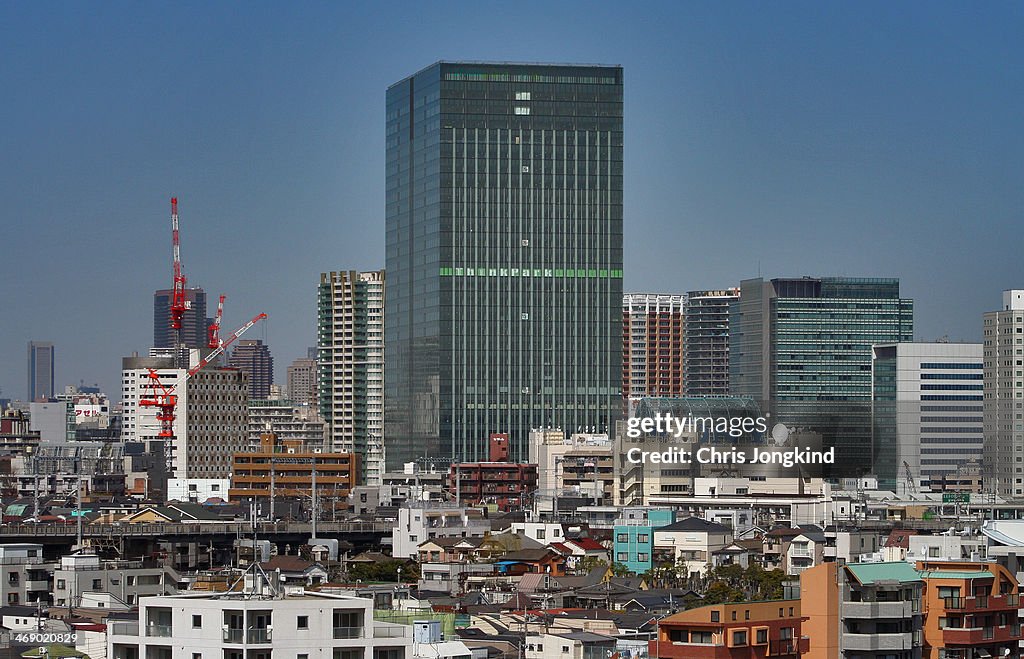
(504, 255)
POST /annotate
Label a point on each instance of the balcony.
(258, 636)
(976, 635)
(348, 632)
(123, 629)
(159, 631)
(391, 631)
(34, 585)
(233, 635)
(877, 610)
(877, 642)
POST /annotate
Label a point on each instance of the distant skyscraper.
(706, 342)
(40, 371)
(350, 333)
(253, 357)
(804, 348)
(1003, 394)
(194, 323)
(652, 345)
(302, 382)
(504, 255)
(928, 413)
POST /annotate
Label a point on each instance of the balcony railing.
(262, 635)
(160, 631)
(233, 635)
(348, 632)
(396, 631)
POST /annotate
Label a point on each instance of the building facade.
(928, 414)
(804, 348)
(253, 356)
(286, 419)
(1004, 396)
(194, 322)
(652, 345)
(350, 337)
(256, 624)
(504, 255)
(302, 382)
(40, 371)
(706, 342)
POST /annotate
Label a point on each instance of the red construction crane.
(178, 302)
(165, 400)
(213, 332)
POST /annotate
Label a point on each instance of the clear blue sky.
(818, 138)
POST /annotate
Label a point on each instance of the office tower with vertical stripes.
(504, 255)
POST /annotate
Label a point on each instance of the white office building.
(930, 395)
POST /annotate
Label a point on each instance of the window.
(716, 616)
(540, 534)
(622, 537)
(739, 637)
(786, 633)
(302, 622)
(197, 655)
(643, 537)
(97, 584)
(622, 556)
(302, 656)
(733, 615)
(762, 636)
(61, 585)
(642, 557)
(565, 649)
(197, 622)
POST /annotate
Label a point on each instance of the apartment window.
(197, 622)
(762, 636)
(197, 655)
(302, 622)
(97, 584)
(622, 556)
(622, 537)
(565, 649)
(643, 537)
(302, 656)
(540, 534)
(790, 612)
(716, 616)
(786, 633)
(739, 637)
(733, 615)
(642, 557)
(61, 585)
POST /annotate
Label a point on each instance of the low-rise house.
(690, 542)
(26, 575)
(569, 645)
(295, 571)
(805, 550)
(81, 574)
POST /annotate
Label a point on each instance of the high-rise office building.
(1003, 346)
(302, 382)
(504, 255)
(194, 322)
(40, 371)
(706, 342)
(253, 356)
(652, 345)
(928, 415)
(803, 347)
(350, 337)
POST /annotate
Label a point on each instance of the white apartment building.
(350, 342)
(1004, 395)
(259, 623)
(424, 521)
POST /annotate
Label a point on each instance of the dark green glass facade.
(504, 256)
(804, 347)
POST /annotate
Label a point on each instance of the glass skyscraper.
(804, 347)
(504, 256)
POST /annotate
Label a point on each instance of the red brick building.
(652, 345)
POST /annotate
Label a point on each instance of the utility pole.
(313, 487)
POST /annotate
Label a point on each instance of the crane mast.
(179, 303)
(213, 332)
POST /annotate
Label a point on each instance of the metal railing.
(348, 632)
